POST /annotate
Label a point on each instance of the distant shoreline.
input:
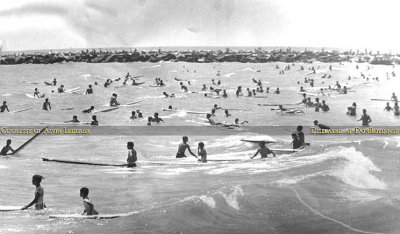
(199, 55)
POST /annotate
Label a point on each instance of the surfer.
(224, 94)
(156, 118)
(263, 151)
(344, 90)
(183, 87)
(4, 107)
(239, 91)
(87, 204)
(94, 121)
(89, 90)
(7, 148)
(46, 105)
(351, 110)
(300, 135)
(366, 119)
(182, 148)
(227, 113)
(133, 116)
(296, 142)
(113, 100)
(277, 91)
(204, 88)
(132, 158)
(388, 107)
(74, 120)
(39, 194)
(61, 89)
(202, 153)
(90, 110)
(36, 93)
(321, 126)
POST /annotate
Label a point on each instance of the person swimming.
(263, 151)
(90, 110)
(365, 118)
(39, 194)
(202, 153)
(74, 120)
(182, 148)
(7, 148)
(132, 157)
(321, 126)
(87, 204)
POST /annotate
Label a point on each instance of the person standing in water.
(7, 148)
(182, 148)
(202, 153)
(39, 194)
(46, 105)
(263, 151)
(366, 119)
(132, 158)
(4, 107)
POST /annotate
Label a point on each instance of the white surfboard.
(100, 216)
(10, 208)
(30, 95)
(258, 139)
(286, 150)
(105, 110)
(72, 90)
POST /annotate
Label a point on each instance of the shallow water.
(342, 184)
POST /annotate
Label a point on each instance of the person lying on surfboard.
(90, 110)
(182, 148)
(4, 107)
(87, 204)
(263, 151)
(7, 148)
(39, 194)
(132, 158)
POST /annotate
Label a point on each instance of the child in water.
(263, 151)
(39, 194)
(202, 152)
(89, 207)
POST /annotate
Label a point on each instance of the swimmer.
(133, 116)
(227, 113)
(74, 120)
(388, 107)
(90, 110)
(89, 90)
(202, 153)
(321, 126)
(39, 194)
(324, 107)
(7, 148)
(4, 107)
(46, 105)
(94, 121)
(263, 151)
(87, 204)
(182, 148)
(366, 119)
(132, 158)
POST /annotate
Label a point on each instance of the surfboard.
(286, 150)
(237, 109)
(29, 82)
(258, 139)
(47, 83)
(21, 110)
(383, 100)
(284, 104)
(132, 103)
(27, 142)
(83, 163)
(30, 95)
(79, 216)
(70, 108)
(10, 208)
(105, 110)
(138, 83)
(311, 94)
(71, 90)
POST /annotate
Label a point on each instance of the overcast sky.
(56, 24)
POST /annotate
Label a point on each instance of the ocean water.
(341, 184)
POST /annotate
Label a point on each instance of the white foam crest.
(356, 171)
(296, 179)
(2, 167)
(229, 74)
(231, 199)
(208, 201)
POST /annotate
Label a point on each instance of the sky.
(63, 24)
